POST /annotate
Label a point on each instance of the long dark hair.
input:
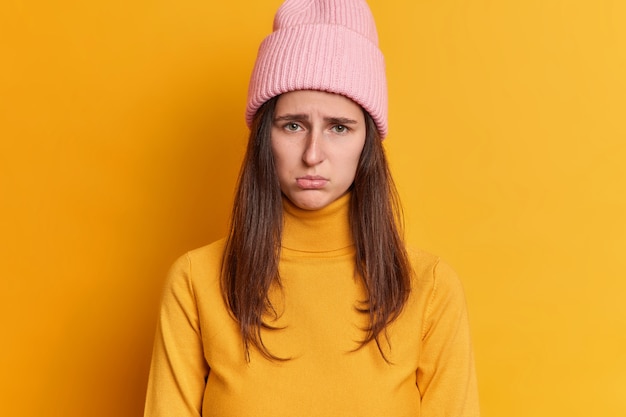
(252, 251)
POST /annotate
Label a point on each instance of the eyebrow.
(302, 116)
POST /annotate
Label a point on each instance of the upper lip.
(312, 177)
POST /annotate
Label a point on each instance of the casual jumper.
(199, 365)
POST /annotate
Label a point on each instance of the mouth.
(311, 182)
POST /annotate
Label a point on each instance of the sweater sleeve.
(446, 375)
(178, 370)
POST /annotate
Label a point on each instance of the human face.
(317, 139)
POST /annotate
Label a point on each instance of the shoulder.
(208, 255)
(428, 267)
(433, 275)
(201, 264)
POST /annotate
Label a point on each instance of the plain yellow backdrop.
(121, 132)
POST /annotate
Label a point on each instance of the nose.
(313, 153)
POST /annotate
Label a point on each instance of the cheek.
(349, 166)
(353, 168)
(356, 157)
(281, 164)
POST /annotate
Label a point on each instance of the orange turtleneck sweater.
(199, 366)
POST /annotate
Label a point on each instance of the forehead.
(318, 103)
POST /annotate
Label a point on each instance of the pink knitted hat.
(325, 45)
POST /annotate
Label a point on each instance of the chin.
(310, 202)
(306, 205)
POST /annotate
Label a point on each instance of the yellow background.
(121, 132)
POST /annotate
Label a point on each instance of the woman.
(312, 306)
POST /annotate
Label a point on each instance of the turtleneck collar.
(323, 230)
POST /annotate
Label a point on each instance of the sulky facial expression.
(317, 139)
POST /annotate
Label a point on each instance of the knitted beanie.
(325, 45)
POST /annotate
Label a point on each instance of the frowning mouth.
(311, 182)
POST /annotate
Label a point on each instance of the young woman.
(313, 306)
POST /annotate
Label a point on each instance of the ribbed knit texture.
(325, 45)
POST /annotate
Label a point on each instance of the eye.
(292, 127)
(340, 128)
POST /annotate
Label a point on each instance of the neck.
(320, 230)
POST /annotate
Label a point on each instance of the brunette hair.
(252, 251)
